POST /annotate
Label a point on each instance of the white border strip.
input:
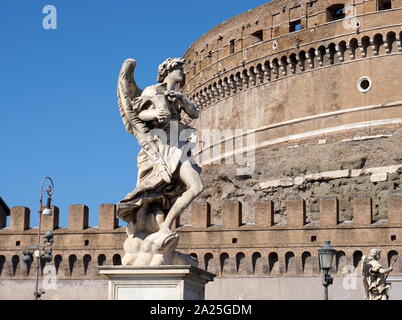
(317, 116)
(296, 137)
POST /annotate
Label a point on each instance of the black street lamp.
(325, 256)
(41, 252)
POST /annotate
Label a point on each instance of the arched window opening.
(208, 258)
(71, 262)
(273, 263)
(307, 266)
(290, 262)
(87, 261)
(256, 262)
(390, 41)
(57, 261)
(357, 257)
(392, 256)
(15, 260)
(240, 262)
(224, 260)
(101, 259)
(340, 261)
(2, 263)
(116, 260)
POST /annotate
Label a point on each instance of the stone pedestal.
(156, 283)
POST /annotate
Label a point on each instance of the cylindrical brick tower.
(306, 88)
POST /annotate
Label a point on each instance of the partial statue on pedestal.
(375, 276)
(168, 177)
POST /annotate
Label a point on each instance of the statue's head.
(374, 254)
(172, 66)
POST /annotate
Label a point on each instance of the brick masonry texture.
(233, 249)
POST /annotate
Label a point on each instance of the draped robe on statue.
(152, 193)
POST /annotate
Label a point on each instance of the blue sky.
(58, 108)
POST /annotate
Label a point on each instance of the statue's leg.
(193, 182)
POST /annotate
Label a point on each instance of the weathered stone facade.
(342, 166)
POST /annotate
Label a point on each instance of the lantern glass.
(326, 255)
(47, 211)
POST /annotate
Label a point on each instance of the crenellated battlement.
(78, 219)
(296, 214)
(265, 248)
(200, 212)
(232, 248)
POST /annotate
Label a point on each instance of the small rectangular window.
(295, 25)
(384, 5)
(336, 12)
(259, 35)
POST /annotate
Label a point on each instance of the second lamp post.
(41, 252)
(325, 256)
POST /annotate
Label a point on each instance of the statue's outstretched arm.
(385, 270)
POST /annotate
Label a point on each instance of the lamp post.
(41, 251)
(325, 256)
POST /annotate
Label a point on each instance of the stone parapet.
(229, 249)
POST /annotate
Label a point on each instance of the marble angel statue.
(168, 177)
(375, 276)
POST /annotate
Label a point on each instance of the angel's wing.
(365, 275)
(127, 90)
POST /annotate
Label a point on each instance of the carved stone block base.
(156, 283)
